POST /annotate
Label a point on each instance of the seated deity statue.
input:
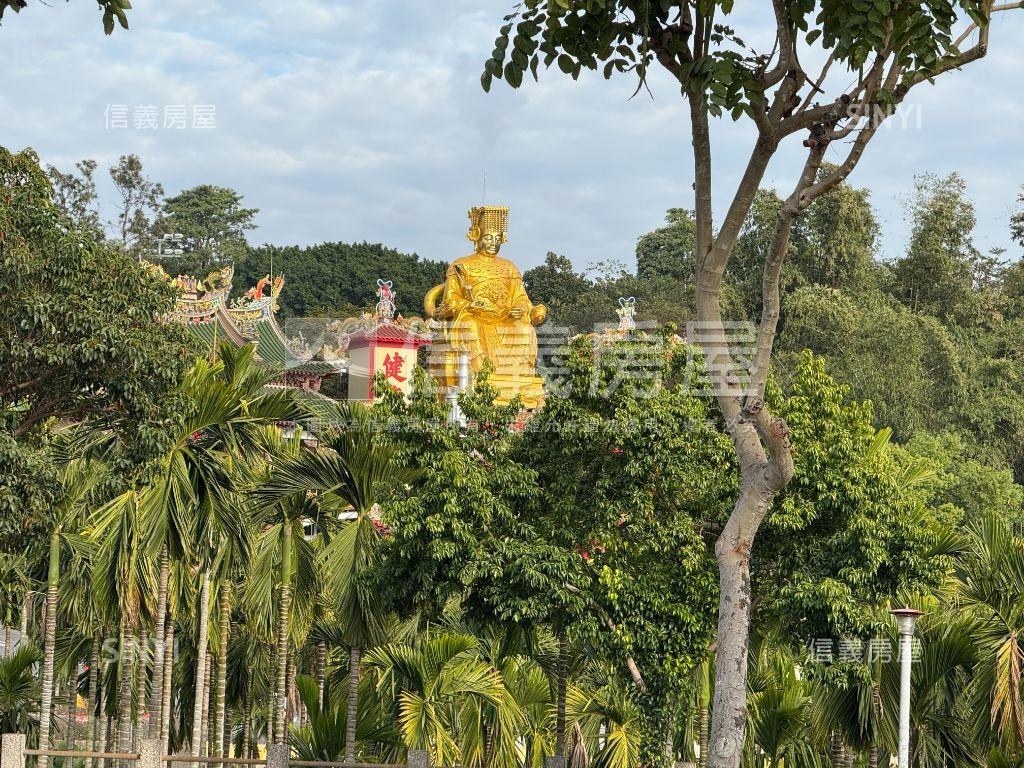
(487, 316)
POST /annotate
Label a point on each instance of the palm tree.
(284, 555)
(189, 510)
(613, 705)
(14, 584)
(78, 479)
(19, 691)
(353, 467)
(121, 583)
(780, 732)
(323, 737)
(989, 587)
(439, 683)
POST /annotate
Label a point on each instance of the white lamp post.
(455, 414)
(906, 618)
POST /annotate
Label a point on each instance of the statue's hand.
(517, 312)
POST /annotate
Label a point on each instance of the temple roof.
(388, 333)
(250, 319)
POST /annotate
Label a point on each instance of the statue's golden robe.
(487, 316)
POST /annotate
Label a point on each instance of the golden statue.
(487, 315)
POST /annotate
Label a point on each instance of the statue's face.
(490, 243)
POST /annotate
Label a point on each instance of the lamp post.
(455, 414)
(906, 618)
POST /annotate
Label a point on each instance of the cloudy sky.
(364, 120)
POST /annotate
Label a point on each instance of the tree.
(76, 194)
(990, 581)
(355, 470)
(839, 239)
(188, 504)
(82, 335)
(19, 691)
(212, 223)
(937, 275)
(138, 207)
(556, 285)
(113, 10)
(1017, 223)
(871, 342)
(889, 50)
(441, 679)
(669, 250)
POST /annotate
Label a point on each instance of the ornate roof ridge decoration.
(197, 303)
(250, 319)
(383, 324)
(390, 331)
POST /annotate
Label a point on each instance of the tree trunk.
(355, 658)
(281, 690)
(730, 697)
(200, 688)
(225, 744)
(321, 671)
(142, 673)
(290, 695)
(156, 700)
(207, 722)
(222, 670)
(246, 725)
(703, 711)
(124, 699)
(703, 737)
(103, 723)
(563, 663)
(49, 641)
(95, 712)
(26, 606)
(166, 710)
(837, 753)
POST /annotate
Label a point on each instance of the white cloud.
(364, 120)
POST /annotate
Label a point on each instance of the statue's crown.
(487, 218)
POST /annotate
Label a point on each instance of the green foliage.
(113, 11)
(340, 279)
(465, 533)
(75, 193)
(1017, 223)
(837, 239)
(669, 250)
(212, 223)
(82, 338)
(872, 342)
(323, 738)
(938, 273)
(652, 470)
(853, 529)
(628, 36)
(138, 207)
(19, 691)
(970, 488)
(82, 335)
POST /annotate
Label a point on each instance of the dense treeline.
(931, 337)
(340, 279)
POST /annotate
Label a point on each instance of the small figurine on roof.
(627, 313)
(386, 298)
